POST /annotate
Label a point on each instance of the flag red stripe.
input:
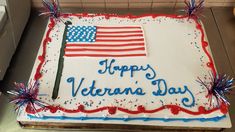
(126, 27)
(114, 36)
(104, 45)
(104, 50)
(117, 32)
(103, 55)
(123, 40)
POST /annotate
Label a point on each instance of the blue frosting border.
(213, 119)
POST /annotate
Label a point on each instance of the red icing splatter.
(201, 109)
(53, 109)
(112, 110)
(81, 107)
(175, 109)
(223, 108)
(141, 108)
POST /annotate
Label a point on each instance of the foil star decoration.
(25, 96)
(219, 87)
(193, 8)
(51, 9)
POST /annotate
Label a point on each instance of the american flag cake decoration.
(105, 41)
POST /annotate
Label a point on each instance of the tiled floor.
(220, 28)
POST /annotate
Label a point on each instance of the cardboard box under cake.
(124, 72)
(111, 127)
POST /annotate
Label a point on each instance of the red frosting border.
(41, 58)
(175, 109)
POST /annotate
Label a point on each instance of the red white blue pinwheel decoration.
(219, 87)
(51, 9)
(23, 96)
(193, 8)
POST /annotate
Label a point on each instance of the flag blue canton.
(81, 34)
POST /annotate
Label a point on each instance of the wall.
(132, 3)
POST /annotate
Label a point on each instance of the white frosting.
(174, 51)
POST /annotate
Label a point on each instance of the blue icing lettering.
(83, 92)
(94, 91)
(133, 69)
(71, 80)
(148, 75)
(163, 90)
(107, 66)
(185, 100)
(110, 68)
(122, 69)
